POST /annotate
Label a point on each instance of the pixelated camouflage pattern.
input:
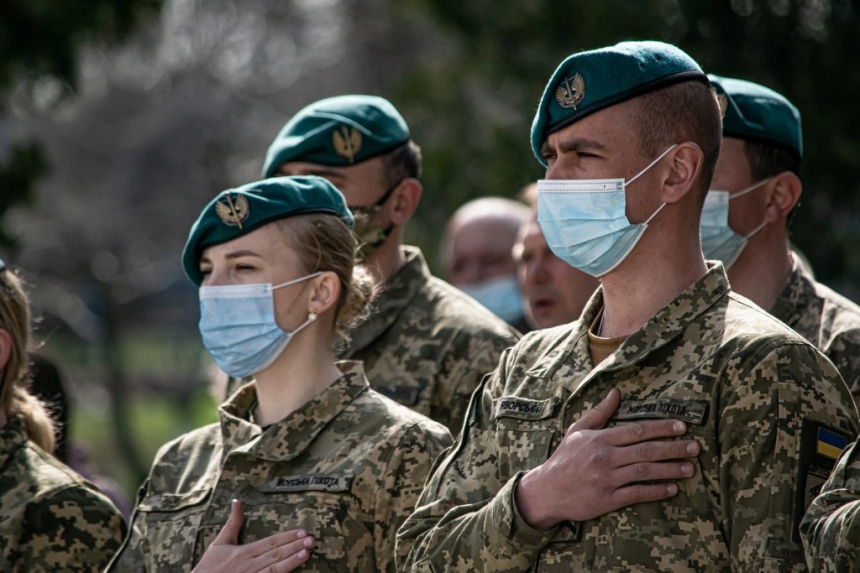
(427, 345)
(348, 467)
(826, 319)
(831, 527)
(756, 381)
(51, 519)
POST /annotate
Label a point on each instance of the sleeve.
(844, 351)
(831, 527)
(466, 519)
(401, 485)
(131, 556)
(76, 529)
(769, 432)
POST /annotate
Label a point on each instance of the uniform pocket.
(524, 433)
(171, 523)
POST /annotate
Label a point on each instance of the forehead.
(360, 183)
(532, 236)
(265, 241)
(484, 235)
(610, 127)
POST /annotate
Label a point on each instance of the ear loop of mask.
(743, 192)
(312, 316)
(649, 166)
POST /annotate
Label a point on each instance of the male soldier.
(477, 254)
(630, 136)
(426, 345)
(555, 292)
(745, 223)
(831, 528)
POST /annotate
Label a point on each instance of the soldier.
(477, 254)
(831, 527)
(630, 135)
(745, 223)
(555, 292)
(51, 519)
(312, 467)
(426, 345)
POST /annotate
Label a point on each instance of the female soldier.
(50, 518)
(325, 469)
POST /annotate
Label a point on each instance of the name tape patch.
(310, 482)
(689, 411)
(523, 408)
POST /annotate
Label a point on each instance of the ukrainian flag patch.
(830, 444)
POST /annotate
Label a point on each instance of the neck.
(303, 370)
(638, 289)
(761, 270)
(387, 259)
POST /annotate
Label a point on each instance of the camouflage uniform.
(826, 319)
(831, 528)
(749, 389)
(427, 345)
(347, 467)
(50, 518)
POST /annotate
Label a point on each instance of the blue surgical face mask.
(239, 328)
(585, 221)
(719, 241)
(500, 295)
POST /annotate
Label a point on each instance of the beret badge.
(347, 142)
(233, 211)
(570, 91)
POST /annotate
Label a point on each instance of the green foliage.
(488, 90)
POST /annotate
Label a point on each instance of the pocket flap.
(173, 501)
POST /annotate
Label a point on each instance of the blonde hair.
(325, 243)
(15, 377)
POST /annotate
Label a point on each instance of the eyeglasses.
(364, 212)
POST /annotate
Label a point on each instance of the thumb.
(229, 534)
(597, 417)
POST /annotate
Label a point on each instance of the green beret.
(237, 212)
(587, 82)
(754, 112)
(338, 131)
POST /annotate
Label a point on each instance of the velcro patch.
(820, 447)
(690, 411)
(310, 482)
(523, 408)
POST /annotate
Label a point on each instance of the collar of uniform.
(286, 439)
(12, 436)
(791, 303)
(668, 323)
(396, 295)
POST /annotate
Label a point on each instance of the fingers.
(635, 432)
(229, 534)
(653, 471)
(597, 417)
(285, 557)
(277, 541)
(641, 493)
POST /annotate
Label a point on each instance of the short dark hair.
(687, 111)
(766, 159)
(402, 162)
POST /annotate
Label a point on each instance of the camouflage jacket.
(750, 391)
(831, 528)
(427, 345)
(51, 519)
(826, 319)
(347, 467)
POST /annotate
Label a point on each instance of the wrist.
(531, 504)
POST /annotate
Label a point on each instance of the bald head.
(478, 240)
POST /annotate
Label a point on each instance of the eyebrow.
(580, 144)
(321, 172)
(233, 255)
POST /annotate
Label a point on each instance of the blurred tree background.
(143, 111)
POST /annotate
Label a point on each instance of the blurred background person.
(746, 216)
(50, 519)
(554, 292)
(425, 345)
(318, 459)
(477, 255)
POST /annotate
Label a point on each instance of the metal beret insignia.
(347, 142)
(570, 92)
(233, 211)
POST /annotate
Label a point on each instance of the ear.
(326, 291)
(785, 190)
(683, 171)
(404, 201)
